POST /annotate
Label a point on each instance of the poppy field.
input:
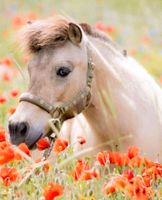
(68, 175)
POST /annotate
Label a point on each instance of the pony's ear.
(74, 33)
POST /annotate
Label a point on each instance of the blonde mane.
(53, 32)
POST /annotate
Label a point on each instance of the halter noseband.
(68, 109)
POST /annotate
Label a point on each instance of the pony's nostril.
(18, 132)
(23, 128)
(10, 128)
(19, 128)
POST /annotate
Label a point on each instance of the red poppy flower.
(14, 92)
(89, 174)
(23, 147)
(140, 191)
(8, 175)
(7, 62)
(2, 99)
(152, 171)
(17, 21)
(46, 166)
(128, 174)
(53, 190)
(60, 145)
(2, 134)
(147, 179)
(81, 166)
(109, 188)
(81, 140)
(136, 161)
(31, 16)
(133, 151)
(148, 163)
(116, 158)
(100, 26)
(124, 160)
(102, 158)
(121, 182)
(107, 29)
(43, 143)
(11, 111)
(6, 153)
(6, 76)
(129, 190)
(117, 183)
(110, 29)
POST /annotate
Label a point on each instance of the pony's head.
(57, 71)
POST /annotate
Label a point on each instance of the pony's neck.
(100, 115)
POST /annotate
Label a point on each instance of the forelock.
(44, 33)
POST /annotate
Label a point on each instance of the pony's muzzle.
(18, 131)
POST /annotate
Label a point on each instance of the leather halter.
(68, 109)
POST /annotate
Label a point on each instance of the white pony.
(126, 100)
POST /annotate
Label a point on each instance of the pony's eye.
(63, 71)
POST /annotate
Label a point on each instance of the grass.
(105, 176)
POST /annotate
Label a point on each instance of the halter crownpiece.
(68, 109)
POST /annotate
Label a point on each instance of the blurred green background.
(136, 24)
